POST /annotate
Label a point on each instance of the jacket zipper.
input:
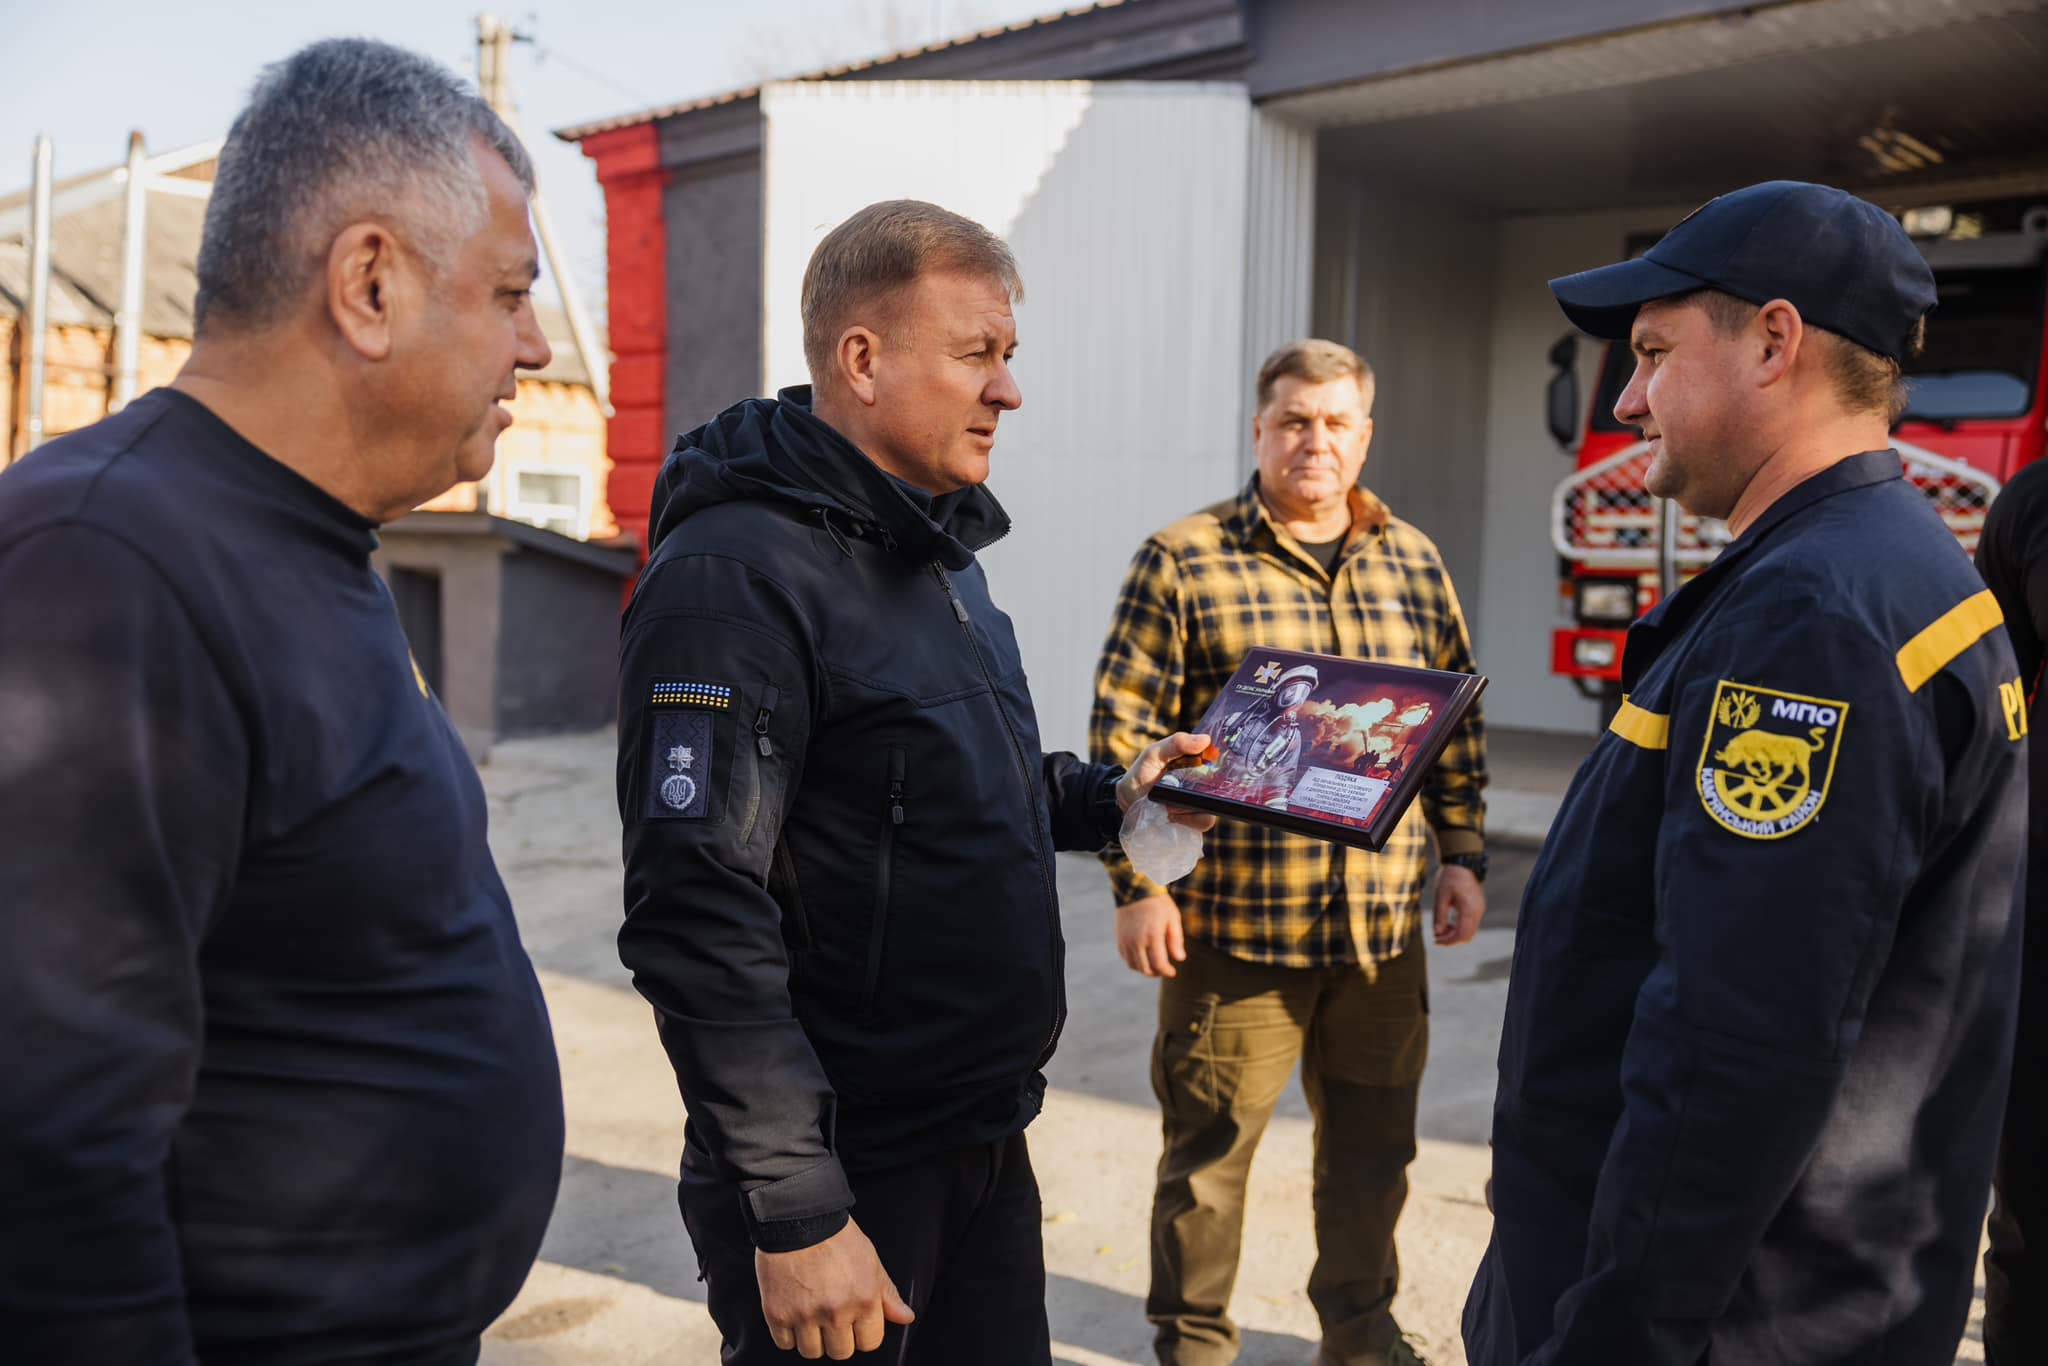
(879, 925)
(770, 695)
(1024, 771)
(785, 865)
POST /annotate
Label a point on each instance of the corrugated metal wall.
(1407, 281)
(1280, 246)
(1127, 207)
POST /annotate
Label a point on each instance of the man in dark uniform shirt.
(2013, 558)
(1760, 1017)
(281, 1089)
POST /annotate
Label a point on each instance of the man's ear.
(858, 351)
(1780, 334)
(361, 268)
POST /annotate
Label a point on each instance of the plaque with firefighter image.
(1324, 746)
(1768, 759)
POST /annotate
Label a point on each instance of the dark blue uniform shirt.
(1761, 1010)
(280, 1087)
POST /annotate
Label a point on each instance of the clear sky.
(88, 71)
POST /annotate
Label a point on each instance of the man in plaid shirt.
(1279, 946)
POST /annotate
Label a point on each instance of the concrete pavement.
(616, 1283)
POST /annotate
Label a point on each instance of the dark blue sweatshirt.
(280, 1086)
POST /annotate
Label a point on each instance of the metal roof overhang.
(1903, 101)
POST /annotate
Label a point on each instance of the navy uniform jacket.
(1761, 1012)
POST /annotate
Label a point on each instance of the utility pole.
(37, 323)
(493, 53)
(494, 39)
(134, 237)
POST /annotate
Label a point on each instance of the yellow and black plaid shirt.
(1202, 594)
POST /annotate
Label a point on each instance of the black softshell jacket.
(839, 827)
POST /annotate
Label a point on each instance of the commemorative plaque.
(1321, 745)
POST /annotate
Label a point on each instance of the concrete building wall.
(559, 647)
(466, 568)
(527, 622)
(1407, 282)
(1518, 585)
(713, 212)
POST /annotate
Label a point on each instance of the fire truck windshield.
(1615, 370)
(1983, 351)
(1983, 347)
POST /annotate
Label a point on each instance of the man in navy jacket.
(839, 826)
(1761, 1011)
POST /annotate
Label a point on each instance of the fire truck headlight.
(1932, 220)
(1609, 602)
(1593, 652)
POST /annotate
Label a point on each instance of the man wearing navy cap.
(1760, 1019)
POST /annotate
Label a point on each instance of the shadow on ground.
(628, 1227)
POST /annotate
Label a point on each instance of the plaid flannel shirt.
(1200, 595)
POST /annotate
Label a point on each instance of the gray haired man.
(282, 1088)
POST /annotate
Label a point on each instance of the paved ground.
(616, 1283)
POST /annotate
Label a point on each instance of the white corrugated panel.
(1280, 243)
(1126, 207)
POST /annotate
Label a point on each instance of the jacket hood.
(777, 450)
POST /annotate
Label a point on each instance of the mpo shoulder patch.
(682, 738)
(1768, 759)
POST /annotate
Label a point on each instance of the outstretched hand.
(1150, 766)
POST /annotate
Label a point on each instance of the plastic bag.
(1157, 847)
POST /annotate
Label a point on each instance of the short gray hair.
(338, 131)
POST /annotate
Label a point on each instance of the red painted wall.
(629, 168)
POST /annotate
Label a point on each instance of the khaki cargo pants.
(1229, 1034)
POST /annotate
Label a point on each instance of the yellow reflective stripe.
(1648, 729)
(1935, 648)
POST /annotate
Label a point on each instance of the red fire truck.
(1979, 412)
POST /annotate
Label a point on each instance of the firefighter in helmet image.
(1262, 740)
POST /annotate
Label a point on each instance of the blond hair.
(864, 265)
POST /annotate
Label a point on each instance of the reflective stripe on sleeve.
(1957, 629)
(1647, 729)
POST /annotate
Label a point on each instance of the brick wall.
(629, 168)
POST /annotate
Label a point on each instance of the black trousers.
(2016, 1267)
(958, 1233)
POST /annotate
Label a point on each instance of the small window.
(558, 499)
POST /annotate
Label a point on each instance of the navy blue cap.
(1844, 263)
